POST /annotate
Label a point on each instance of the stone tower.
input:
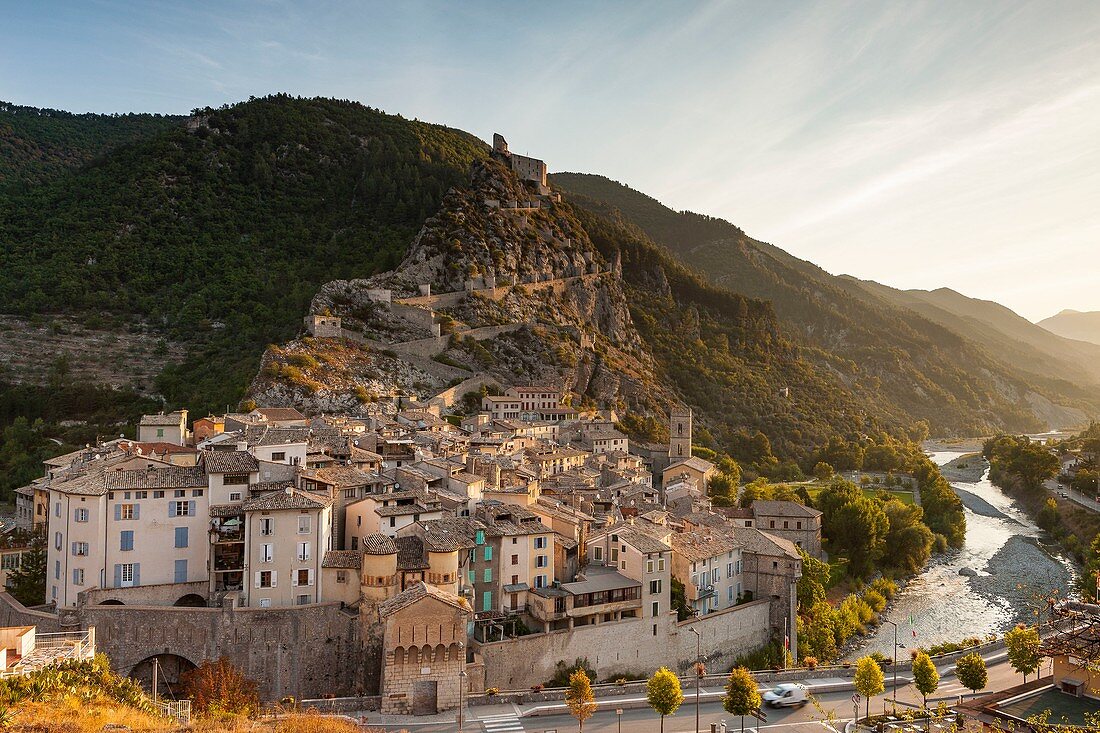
(679, 433)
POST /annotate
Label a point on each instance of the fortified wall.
(629, 645)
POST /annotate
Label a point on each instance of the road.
(829, 712)
(1056, 490)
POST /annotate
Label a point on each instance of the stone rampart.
(629, 645)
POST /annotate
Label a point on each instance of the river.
(1012, 566)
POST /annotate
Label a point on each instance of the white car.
(786, 694)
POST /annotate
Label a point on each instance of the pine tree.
(27, 583)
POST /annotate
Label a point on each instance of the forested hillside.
(217, 234)
(39, 144)
(904, 367)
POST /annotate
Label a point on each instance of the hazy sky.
(954, 143)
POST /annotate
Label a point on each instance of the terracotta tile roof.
(762, 543)
(379, 544)
(410, 553)
(167, 477)
(289, 499)
(416, 593)
(450, 534)
(172, 418)
(224, 461)
(344, 559)
(783, 509)
(696, 546)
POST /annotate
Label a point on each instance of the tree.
(925, 676)
(580, 698)
(663, 693)
(869, 681)
(742, 695)
(27, 583)
(219, 687)
(1023, 649)
(971, 672)
(811, 586)
(823, 471)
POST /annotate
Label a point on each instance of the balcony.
(44, 650)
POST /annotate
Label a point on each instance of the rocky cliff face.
(500, 284)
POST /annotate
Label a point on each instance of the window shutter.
(75, 576)
(137, 511)
(118, 512)
(181, 536)
(74, 548)
(311, 576)
(191, 508)
(274, 578)
(294, 580)
(118, 576)
(257, 578)
(171, 509)
(137, 573)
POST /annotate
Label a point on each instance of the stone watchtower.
(500, 145)
(679, 433)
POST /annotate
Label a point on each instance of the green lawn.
(903, 495)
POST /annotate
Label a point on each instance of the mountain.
(1071, 324)
(904, 365)
(215, 234)
(37, 145)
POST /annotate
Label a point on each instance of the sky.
(921, 145)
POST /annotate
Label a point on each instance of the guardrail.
(179, 710)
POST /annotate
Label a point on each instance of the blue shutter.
(74, 548)
(118, 512)
(75, 576)
(171, 508)
(137, 573)
(181, 571)
(137, 511)
(126, 540)
(181, 536)
(191, 508)
(118, 576)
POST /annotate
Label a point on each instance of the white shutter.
(274, 578)
(257, 579)
(293, 579)
(311, 576)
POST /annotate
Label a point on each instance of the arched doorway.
(191, 600)
(169, 669)
(111, 602)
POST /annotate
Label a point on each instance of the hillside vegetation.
(903, 367)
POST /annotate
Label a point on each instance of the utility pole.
(155, 670)
(461, 683)
(895, 660)
(698, 677)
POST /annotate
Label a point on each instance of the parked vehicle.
(785, 695)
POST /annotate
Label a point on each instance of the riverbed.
(1011, 567)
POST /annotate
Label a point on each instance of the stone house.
(792, 521)
(710, 566)
(694, 468)
(772, 566)
(164, 428)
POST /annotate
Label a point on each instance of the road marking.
(508, 723)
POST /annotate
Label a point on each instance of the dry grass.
(71, 715)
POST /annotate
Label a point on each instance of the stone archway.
(170, 667)
(191, 600)
(111, 602)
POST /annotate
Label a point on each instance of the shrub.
(875, 600)
(563, 671)
(217, 687)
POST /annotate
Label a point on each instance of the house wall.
(628, 646)
(285, 562)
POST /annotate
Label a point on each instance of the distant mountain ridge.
(1071, 324)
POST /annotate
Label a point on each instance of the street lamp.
(461, 683)
(698, 662)
(895, 661)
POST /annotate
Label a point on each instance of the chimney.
(471, 464)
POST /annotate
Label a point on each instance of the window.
(303, 551)
(80, 515)
(660, 564)
(656, 608)
(196, 492)
(57, 509)
(303, 576)
(80, 549)
(303, 599)
(304, 524)
(729, 570)
(729, 594)
(57, 569)
(355, 543)
(349, 493)
(235, 479)
(513, 540)
(488, 553)
(654, 586)
(487, 575)
(515, 580)
(181, 537)
(178, 493)
(614, 555)
(158, 494)
(234, 496)
(267, 526)
(341, 576)
(160, 432)
(649, 566)
(540, 581)
(786, 524)
(181, 509)
(393, 521)
(771, 524)
(597, 553)
(479, 537)
(181, 571)
(10, 562)
(126, 511)
(798, 525)
(266, 552)
(265, 603)
(278, 456)
(78, 576)
(515, 559)
(775, 565)
(540, 561)
(540, 543)
(126, 540)
(141, 494)
(266, 579)
(57, 540)
(126, 574)
(714, 575)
